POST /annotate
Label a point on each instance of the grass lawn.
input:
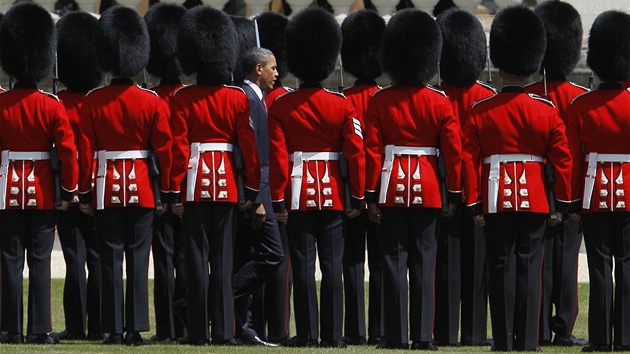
(580, 331)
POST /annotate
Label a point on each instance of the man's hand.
(178, 209)
(556, 221)
(247, 205)
(161, 212)
(575, 217)
(283, 217)
(353, 213)
(479, 220)
(64, 206)
(84, 208)
(451, 210)
(374, 213)
(260, 215)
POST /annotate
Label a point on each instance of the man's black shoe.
(113, 339)
(622, 348)
(256, 341)
(546, 343)
(96, 336)
(423, 346)
(43, 338)
(568, 342)
(65, 334)
(297, 342)
(11, 338)
(135, 339)
(384, 345)
(333, 344)
(596, 348)
(190, 341)
(355, 340)
(375, 341)
(157, 339)
(232, 342)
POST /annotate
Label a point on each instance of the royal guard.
(271, 26)
(461, 255)
(508, 137)
(310, 130)
(122, 126)
(562, 242)
(362, 33)
(271, 309)
(80, 72)
(31, 122)
(168, 240)
(208, 120)
(598, 125)
(407, 125)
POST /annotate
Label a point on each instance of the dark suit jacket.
(258, 115)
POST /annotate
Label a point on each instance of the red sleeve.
(354, 150)
(560, 156)
(278, 156)
(373, 150)
(162, 143)
(87, 147)
(472, 165)
(66, 149)
(575, 146)
(247, 142)
(180, 145)
(451, 147)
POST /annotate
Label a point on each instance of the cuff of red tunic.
(278, 206)
(176, 197)
(475, 209)
(454, 197)
(562, 206)
(85, 197)
(371, 197)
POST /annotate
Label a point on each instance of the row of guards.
(461, 193)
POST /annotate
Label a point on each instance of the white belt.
(388, 163)
(7, 157)
(493, 178)
(589, 182)
(103, 156)
(298, 158)
(193, 163)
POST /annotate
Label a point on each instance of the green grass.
(580, 331)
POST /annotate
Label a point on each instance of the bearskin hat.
(27, 42)
(517, 41)
(122, 41)
(246, 40)
(271, 26)
(162, 23)
(412, 43)
(76, 58)
(313, 42)
(463, 47)
(609, 46)
(362, 33)
(205, 45)
(564, 38)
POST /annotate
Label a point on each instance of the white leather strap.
(388, 163)
(298, 158)
(196, 149)
(103, 156)
(591, 171)
(493, 177)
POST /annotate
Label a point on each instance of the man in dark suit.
(257, 230)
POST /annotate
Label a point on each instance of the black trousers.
(408, 240)
(210, 229)
(559, 280)
(81, 294)
(360, 232)
(169, 273)
(32, 231)
(124, 232)
(271, 310)
(322, 232)
(515, 247)
(607, 236)
(257, 254)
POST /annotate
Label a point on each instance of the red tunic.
(213, 114)
(31, 121)
(514, 122)
(412, 117)
(275, 93)
(311, 120)
(561, 93)
(360, 95)
(125, 117)
(599, 122)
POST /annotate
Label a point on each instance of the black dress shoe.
(297, 342)
(256, 341)
(113, 339)
(67, 335)
(596, 348)
(568, 342)
(190, 341)
(135, 339)
(232, 342)
(373, 341)
(332, 344)
(355, 340)
(43, 338)
(385, 345)
(96, 336)
(621, 348)
(423, 346)
(11, 338)
(158, 339)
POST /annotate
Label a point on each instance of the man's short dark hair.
(253, 57)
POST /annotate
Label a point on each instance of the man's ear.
(259, 69)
